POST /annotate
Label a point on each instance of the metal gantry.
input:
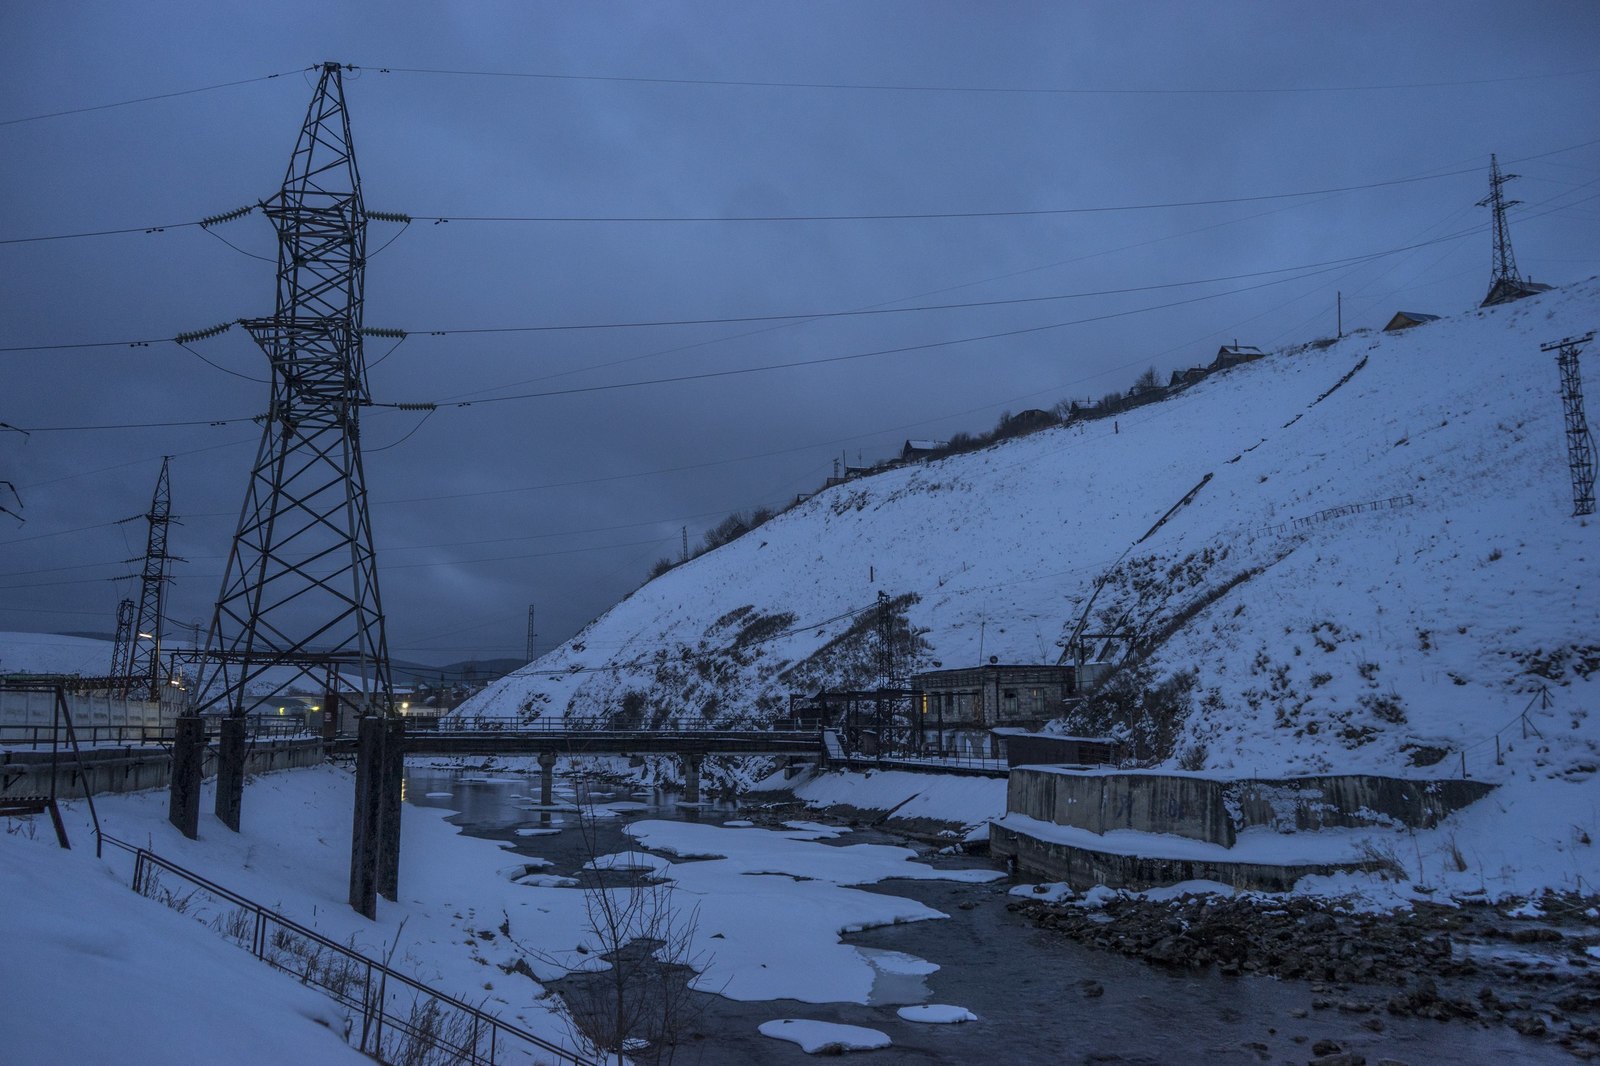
(301, 585)
(1580, 441)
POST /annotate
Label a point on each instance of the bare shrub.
(1193, 757)
(1382, 858)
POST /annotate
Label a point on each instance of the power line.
(867, 217)
(182, 338)
(980, 89)
(148, 99)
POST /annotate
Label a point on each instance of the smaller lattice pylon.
(1580, 441)
(122, 646)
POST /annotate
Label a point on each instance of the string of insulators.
(202, 334)
(376, 331)
(387, 216)
(423, 406)
(217, 220)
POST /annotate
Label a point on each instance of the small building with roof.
(922, 449)
(1505, 290)
(1234, 354)
(1408, 319)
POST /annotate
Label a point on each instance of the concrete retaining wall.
(108, 769)
(1082, 868)
(1216, 811)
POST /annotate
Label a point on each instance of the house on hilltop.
(1234, 354)
(1506, 289)
(1182, 379)
(922, 449)
(1407, 319)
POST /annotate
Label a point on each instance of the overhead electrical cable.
(183, 339)
(148, 99)
(747, 83)
(839, 217)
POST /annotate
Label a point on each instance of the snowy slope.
(52, 653)
(1369, 641)
(76, 937)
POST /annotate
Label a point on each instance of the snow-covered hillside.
(52, 653)
(1387, 640)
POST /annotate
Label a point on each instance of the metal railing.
(268, 727)
(400, 1019)
(602, 724)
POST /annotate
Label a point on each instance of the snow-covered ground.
(162, 987)
(52, 653)
(470, 915)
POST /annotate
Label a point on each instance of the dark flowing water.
(1031, 989)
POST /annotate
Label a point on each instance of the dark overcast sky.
(564, 501)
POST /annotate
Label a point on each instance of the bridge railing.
(394, 1018)
(264, 727)
(601, 724)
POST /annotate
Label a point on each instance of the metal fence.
(393, 1018)
(1343, 509)
(22, 706)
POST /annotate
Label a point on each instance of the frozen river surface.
(1038, 998)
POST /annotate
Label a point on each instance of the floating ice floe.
(1049, 892)
(937, 1014)
(524, 868)
(536, 832)
(738, 823)
(826, 1038)
(547, 881)
(823, 832)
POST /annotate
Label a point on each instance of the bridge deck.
(610, 741)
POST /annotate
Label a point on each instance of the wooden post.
(394, 772)
(365, 823)
(230, 771)
(188, 767)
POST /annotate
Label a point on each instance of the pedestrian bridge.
(511, 736)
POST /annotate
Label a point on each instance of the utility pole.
(684, 530)
(1580, 442)
(299, 593)
(1338, 298)
(531, 635)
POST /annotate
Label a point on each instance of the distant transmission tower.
(532, 636)
(1580, 442)
(143, 665)
(300, 590)
(122, 646)
(1506, 284)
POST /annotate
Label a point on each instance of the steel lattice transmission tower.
(141, 665)
(1580, 442)
(122, 647)
(1505, 260)
(300, 590)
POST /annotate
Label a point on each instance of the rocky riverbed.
(1534, 967)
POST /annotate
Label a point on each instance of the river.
(1039, 997)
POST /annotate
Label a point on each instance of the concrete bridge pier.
(547, 779)
(691, 776)
(367, 821)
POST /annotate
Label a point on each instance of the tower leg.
(394, 772)
(188, 768)
(230, 771)
(366, 824)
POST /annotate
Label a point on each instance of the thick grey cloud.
(565, 500)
